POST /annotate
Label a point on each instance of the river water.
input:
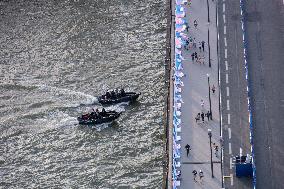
(55, 58)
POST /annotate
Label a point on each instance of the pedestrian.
(202, 117)
(199, 46)
(203, 59)
(202, 104)
(195, 54)
(214, 145)
(195, 24)
(208, 115)
(203, 43)
(216, 150)
(213, 89)
(192, 57)
(178, 175)
(187, 42)
(187, 147)
(197, 117)
(201, 175)
(221, 141)
(194, 175)
(198, 59)
(194, 43)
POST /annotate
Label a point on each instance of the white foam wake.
(75, 97)
(56, 119)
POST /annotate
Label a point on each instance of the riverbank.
(167, 164)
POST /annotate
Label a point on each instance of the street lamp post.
(208, 11)
(210, 136)
(209, 59)
(209, 97)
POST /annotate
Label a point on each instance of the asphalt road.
(233, 91)
(265, 29)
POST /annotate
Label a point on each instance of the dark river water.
(55, 57)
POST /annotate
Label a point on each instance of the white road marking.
(226, 53)
(223, 7)
(226, 64)
(228, 93)
(227, 78)
(224, 18)
(225, 41)
(231, 162)
(229, 119)
(228, 104)
(225, 29)
(232, 180)
(229, 132)
(241, 152)
(230, 148)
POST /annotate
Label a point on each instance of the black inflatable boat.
(88, 119)
(127, 97)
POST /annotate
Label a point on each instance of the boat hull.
(129, 97)
(111, 117)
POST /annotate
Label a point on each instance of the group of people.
(114, 94)
(201, 175)
(95, 114)
(202, 116)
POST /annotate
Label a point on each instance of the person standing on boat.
(122, 92)
(112, 94)
(107, 95)
(117, 93)
(103, 113)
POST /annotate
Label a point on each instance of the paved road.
(235, 125)
(196, 88)
(265, 28)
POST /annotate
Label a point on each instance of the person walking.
(201, 175)
(216, 150)
(194, 43)
(187, 147)
(195, 24)
(202, 117)
(197, 117)
(202, 104)
(199, 59)
(190, 42)
(195, 55)
(192, 57)
(194, 172)
(199, 46)
(178, 175)
(214, 145)
(203, 44)
(203, 59)
(213, 89)
(208, 115)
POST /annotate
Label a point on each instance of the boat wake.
(66, 95)
(55, 120)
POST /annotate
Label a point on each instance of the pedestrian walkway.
(193, 88)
